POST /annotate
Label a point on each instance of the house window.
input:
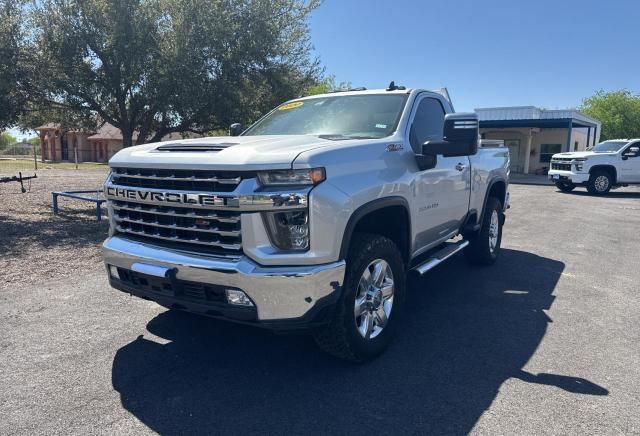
(575, 146)
(548, 150)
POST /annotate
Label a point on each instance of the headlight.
(311, 176)
(579, 162)
(289, 230)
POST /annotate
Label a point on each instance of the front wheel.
(484, 246)
(565, 186)
(368, 311)
(599, 182)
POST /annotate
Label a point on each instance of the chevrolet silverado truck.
(608, 165)
(312, 218)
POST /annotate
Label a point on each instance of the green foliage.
(6, 140)
(619, 112)
(14, 74)
(328, 84)
(163, 66)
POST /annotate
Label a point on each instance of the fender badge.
(394, 147)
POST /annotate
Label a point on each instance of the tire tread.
(334, 338)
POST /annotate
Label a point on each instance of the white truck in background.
(608, 165)
(312, 217)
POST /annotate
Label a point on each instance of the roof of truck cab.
(362, 92)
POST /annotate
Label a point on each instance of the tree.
(162, 66)
(6, 140)
(14, 74)
(619, 112)
(328, 84)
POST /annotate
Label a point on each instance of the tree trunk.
(127, 137)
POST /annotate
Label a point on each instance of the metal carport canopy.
(549, 123)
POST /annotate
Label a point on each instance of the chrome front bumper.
(279, 293)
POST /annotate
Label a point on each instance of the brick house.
(62, 145)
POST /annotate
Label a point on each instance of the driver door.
(630, 164)
(441, 194)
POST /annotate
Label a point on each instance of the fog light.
(113, 271)
(238, 298)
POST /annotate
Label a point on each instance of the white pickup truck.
(607, 165)
(312, 217)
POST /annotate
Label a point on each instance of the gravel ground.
(546, 341)
(35, 245)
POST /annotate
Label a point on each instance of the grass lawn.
(9, 165)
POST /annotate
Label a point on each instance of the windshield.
(335, 117)
(609, 146)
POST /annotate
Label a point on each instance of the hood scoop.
(195, 147)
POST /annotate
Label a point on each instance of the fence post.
(55, 203)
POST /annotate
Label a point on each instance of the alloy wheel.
(374, 299)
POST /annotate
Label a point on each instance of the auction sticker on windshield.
(292, 105)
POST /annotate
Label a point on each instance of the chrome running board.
(440, 256)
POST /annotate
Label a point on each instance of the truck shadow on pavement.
(466, 331)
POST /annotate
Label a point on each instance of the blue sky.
(486, 52)
(548, 53)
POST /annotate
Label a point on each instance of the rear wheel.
(565, 186)
(484, 246)
(368, 311)
(599, 182)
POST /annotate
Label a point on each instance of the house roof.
(48, 126)
(110, 132)
(107, 131)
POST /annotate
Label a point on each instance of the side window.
(428, 123)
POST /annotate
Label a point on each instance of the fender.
(490, 185)
(366, 209)
(606, 167)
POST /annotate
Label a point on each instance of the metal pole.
(569, 131)
(55, 203)
(75, 154)
(35, 158)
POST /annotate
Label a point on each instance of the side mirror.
(235, 129)
(460, 138)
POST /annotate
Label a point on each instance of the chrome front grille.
(189, 228)
(185, 180)
(192, 210)
(560, 166)
(181, 225)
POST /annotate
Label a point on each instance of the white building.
(533, 134)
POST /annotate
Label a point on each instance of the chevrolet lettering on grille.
(165, 197)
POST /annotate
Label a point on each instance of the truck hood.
(232, 153)
(580, 154)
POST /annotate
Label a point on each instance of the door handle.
(461, 167)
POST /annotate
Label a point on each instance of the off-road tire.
(479, 251)
(593, 186)
(340, 337)
(565, 186)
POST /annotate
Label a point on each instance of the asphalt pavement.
(546, 341)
